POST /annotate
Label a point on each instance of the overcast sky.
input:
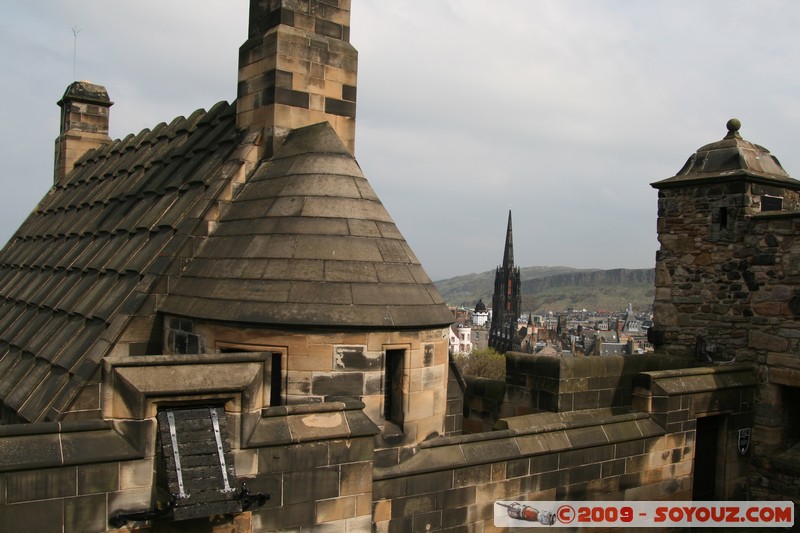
(562, 111)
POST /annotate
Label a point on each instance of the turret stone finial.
(733, 126)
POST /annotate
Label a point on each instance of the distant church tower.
(506, 301)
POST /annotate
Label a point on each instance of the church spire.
(508, 252)
(506, 300)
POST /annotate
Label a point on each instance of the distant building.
(460, 339)
(480, 316)
(506, 300)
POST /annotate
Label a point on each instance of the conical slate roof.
(730, 158)
(307, 242)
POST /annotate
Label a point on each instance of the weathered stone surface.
(45, 516)
(356, 359)
(785, 376)
(338, 384)
(41, 484)
(85, 513)
(767, 342)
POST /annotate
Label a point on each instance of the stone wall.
(326, 483)
(71, 476)
(536, 383)
(728, 288)
(711, 266)
(773, 341)
(321, 366)
(314, 462)
(317, 461)
(483, 401)
(456, 387)
(598, 453)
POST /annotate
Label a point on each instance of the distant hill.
(559, 288)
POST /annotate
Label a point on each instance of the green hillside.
(559, 288)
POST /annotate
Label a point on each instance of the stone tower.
(507, 299)
(84, 124)
(708, 266)
(297, 68)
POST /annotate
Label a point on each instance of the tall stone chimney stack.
(84, 124)
(297, 68)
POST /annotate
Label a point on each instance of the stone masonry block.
(356, 478)
(472, 475)
(338, 384)
(431, 427)
(460, 497)
(499, 471)
(427, 521)
(290, 516)
(311, 485)
(381, 510)
(493, 450)
(356, 359)
(45, 516)
(497, 490)
(408, 506)
(585, 456)
(389, 489)
(41, 484)
(85, 513)
(421, 404)
(431, 482)
(135, 474)
(316, 360)
(335, 509)
(296, 457)
(784, 376)
(97, 478)
(351, 450)
(130, 500)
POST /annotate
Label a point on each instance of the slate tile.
(27, 384)
(44, 393)
(9, 380)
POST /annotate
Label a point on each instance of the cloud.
(564, 111)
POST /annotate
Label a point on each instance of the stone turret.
(708, 264)
(297, 68)
(84, 124)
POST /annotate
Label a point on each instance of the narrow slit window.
(276, 380)
(393, 386)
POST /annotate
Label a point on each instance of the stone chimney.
(84, 124)
(297, 68)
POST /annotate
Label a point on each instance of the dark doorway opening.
(393, 386)
(706, 445)
(276, 381)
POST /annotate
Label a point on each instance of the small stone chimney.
(297, 68)
(84, 124)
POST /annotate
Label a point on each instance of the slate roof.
(90, 253)
(731, 157)
(307, 242)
